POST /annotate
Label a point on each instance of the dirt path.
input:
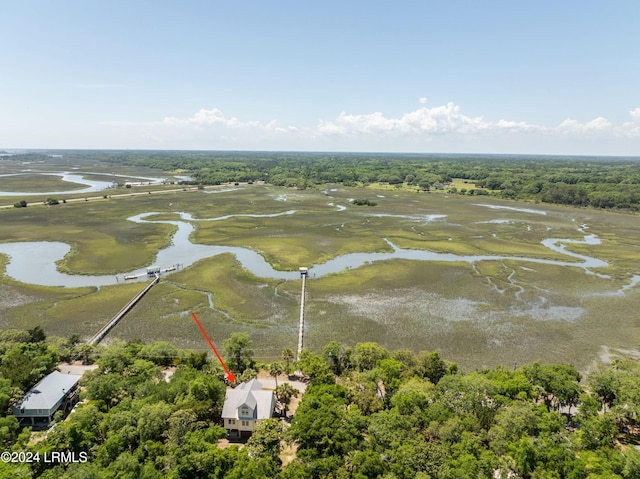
(76, 368)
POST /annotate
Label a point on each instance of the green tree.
(265, 442)
(196, 360)
(558, 383)
(37, 334)
(389, 427)
(414, 396)
(406, 357)
(285, 393)
(247, 375)
(512, 423)
(337, 356)
(162, 353)
(86, 351)
(288, 356)
(25, 364)
(365, 464)
(315, 367)
(388, 374)
(432, 367)
(275, 370)
(365, 392)
(152, 421)
(598, 431)
(80, 432)
(239, 351)
(8, 430)
(604, 384)
(180, 423)
(365, 356)
(324, 425)
(246, 466)
(471, 394)
(116, 357)
(631, 464)
(107, 389)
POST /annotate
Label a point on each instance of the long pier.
(303, 276)
(116, 319)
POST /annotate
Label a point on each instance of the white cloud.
(423, 128)
(216, 117)
(631, 129)
(595, 126)
(448, 120)
(437, 121)
(205, 117)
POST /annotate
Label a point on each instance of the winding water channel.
(35, 262)
(92, 186)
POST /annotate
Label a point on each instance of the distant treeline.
(600, 182)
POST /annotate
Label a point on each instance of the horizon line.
(14, 151)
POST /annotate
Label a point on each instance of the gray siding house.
(244, 406)
(54, 392)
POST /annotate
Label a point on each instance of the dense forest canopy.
(367, 413)
(601, 182)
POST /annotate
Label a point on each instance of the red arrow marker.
(230, 377)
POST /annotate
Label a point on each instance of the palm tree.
(287, 357)
(275, 370)
(285, 392)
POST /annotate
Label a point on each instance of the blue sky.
(544, 77)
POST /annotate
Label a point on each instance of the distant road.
(86, 199)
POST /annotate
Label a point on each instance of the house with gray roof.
(244, 406)
(52, 393)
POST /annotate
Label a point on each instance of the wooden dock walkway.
(116, 319)
(303, 276)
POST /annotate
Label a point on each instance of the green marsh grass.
(479, 315)
(31, 183)
(102, 241)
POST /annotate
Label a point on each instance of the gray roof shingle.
(251, 394)
(48, 391)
